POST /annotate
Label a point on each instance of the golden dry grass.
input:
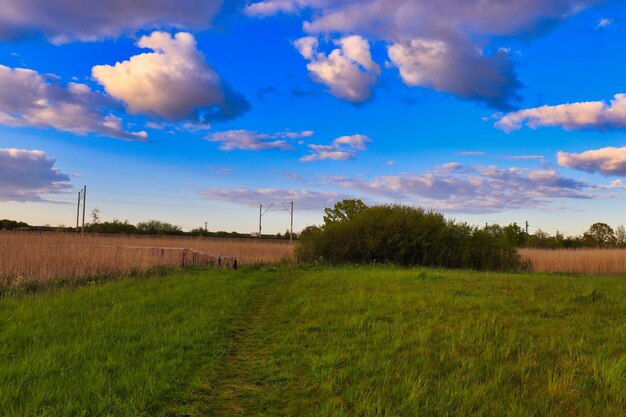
(26, 256)
(584, 261)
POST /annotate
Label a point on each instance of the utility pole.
(84, 205)
(291, 229)
(78, 210)
(261, 213)
(527, 227)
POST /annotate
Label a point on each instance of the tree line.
(598, 235)
(150, 227)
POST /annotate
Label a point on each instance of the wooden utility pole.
(78, 210)
(291, 230)
(84, 204)
(260, 217)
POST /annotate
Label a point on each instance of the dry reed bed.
(584, 261)
(42, 257)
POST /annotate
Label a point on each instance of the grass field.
(370, 341)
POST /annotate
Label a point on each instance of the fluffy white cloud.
(304, 199)
(249, 140)
(342, 148)
(606, 161)
(456, 68)
(455, 187)
(66, 20)
(438, 44)
(348, 71)
(26, 175)
(173, 82)
(573, 116)
(28, 98)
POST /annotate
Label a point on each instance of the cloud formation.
(63, 21)
(449, 46)
(28, 98)
(455, 187)
(249, 140)
(174, 82)
(342, 148)
(573, 116)
(457, 68)
(303, 199)
(26, 175)
(606, 161)
(348, 71)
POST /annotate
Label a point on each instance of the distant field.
(41, 257)
(369, 341)
(581, 261)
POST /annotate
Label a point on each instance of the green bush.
(405, 235)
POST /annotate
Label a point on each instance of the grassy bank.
(332, 341)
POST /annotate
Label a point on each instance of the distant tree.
(620, 236)
(114, 226)
(600, 234)
(199, 231)
(514, 234)
(157, 227)
(95, 215)
(7, 224)
(494, 230)
(343, 210)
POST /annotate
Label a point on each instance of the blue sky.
(196, 112)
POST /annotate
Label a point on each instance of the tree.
(95, 215)
(514, 235)
(156, 227)
(620, 236)
(600, 234)
(343, 211)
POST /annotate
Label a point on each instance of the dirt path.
(248, 368)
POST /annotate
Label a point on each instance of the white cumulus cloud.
(342, 148)
(28, 98)
(606, 161)
(249, 140)
(174, 81)
(572, 116)
(27, 175)
(456, 68)
(348, 71)
(453, 46)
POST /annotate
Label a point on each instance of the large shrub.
(405, 235)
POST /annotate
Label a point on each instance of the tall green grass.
(391, 342)
(369, 341)
(122, 348)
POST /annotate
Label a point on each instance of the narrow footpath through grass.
(367, 341)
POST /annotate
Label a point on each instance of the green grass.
(370, 341)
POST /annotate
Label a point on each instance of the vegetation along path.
(365, 341)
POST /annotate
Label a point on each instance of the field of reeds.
(43, 257)
(578, 261)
